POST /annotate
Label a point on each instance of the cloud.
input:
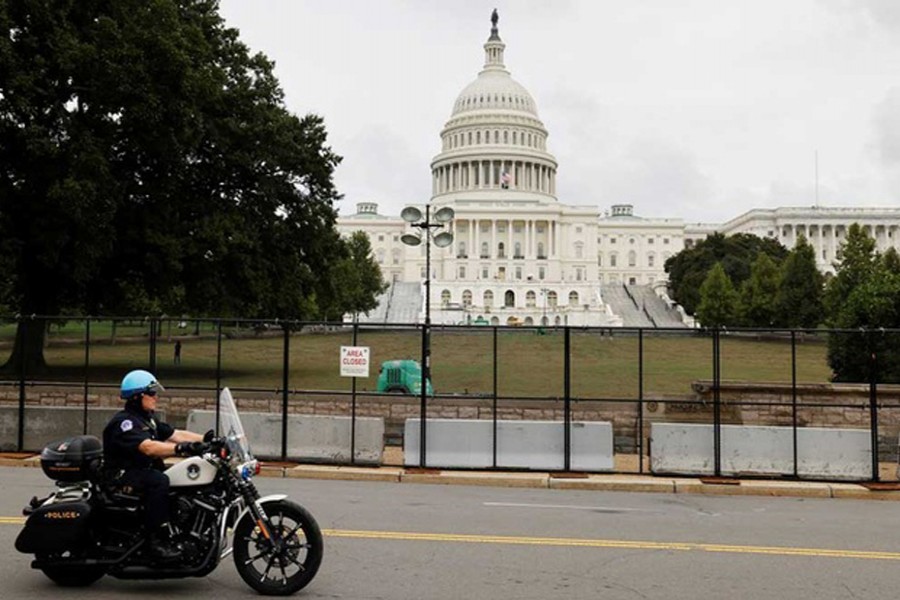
(881, 14)
(394, 179)
(887, 129)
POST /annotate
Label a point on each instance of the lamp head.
(411, 214)
(443, 239)
(410, 239)
(444, 215)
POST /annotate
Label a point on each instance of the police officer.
(134, 446)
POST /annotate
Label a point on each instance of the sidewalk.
(561, 481)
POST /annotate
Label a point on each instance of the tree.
(718, 299)
(356, 279)
(688, 269)
(874, 304)
(759, 293)
(856, 261)
(799, 300)
(890, 261)
(148, 164)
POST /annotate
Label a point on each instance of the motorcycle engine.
(194, 526)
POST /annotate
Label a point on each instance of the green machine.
(402, 376)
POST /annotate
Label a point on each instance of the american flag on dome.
(505, 180)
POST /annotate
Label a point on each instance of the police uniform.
(132, 468)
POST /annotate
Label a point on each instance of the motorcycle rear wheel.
(284, 572)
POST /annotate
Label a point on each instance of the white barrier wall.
(310, 437)
(821, 452)
(468, 443)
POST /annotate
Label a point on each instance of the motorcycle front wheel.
(288, 561)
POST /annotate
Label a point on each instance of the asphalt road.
(399, 541)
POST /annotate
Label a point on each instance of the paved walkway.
(562, 481)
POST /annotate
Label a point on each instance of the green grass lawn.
(529, 365)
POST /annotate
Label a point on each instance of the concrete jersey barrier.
(311, 438)
(45, 424)
(468, 443)
(688, 448)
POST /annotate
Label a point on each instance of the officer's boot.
(161, 545)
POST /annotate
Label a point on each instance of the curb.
(557, 481)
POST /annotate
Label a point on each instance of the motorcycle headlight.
(249, 469)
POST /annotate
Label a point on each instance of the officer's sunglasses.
(151, 393)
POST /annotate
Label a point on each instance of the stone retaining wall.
(819, 405)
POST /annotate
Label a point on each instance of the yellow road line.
(405, 536)
(620, 544)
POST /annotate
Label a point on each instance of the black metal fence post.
(22, 335)
(285, 382)
(567, 392)
(353, 401)
(218, 371)
(87, 366)
(794, 399)
(873, 401)
(494, 408)
(640, 440)
(152, 360)
(717, 408)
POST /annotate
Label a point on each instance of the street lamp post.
(414, 217)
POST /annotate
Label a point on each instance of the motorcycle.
(90, 527)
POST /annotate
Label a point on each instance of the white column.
(493, 252)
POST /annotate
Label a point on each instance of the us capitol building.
(520, 256)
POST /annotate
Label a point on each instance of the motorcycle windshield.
(230, 427)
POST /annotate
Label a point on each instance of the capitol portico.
(519, 255)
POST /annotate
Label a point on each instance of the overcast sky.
(696, 109)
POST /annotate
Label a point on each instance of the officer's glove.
(191, 448)
(209, 436)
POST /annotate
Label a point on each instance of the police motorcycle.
(87, 528)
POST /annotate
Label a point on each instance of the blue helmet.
(138, 382)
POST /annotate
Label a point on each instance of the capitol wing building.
(520, 256)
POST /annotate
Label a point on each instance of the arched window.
(501, 250)
(515, 137)
(467, 297)
(551, 299)
(496, 136)
(462, 250)
(445, 297)
(632, 258)
(380, 254)
(518, 250)
(477, 137)
(505, 136)
(529, 321)
(469, 139)
(495, 321)
(651, 260)
(540, 250)
(489, 298)
(509, 299)
(613, 259)
(599, 259)
(530, 298)
(485, 250)
(573, 298)
(579, 250)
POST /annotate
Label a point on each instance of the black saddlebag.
(55, 528)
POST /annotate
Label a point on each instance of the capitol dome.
(494, 141)
(494, 90)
